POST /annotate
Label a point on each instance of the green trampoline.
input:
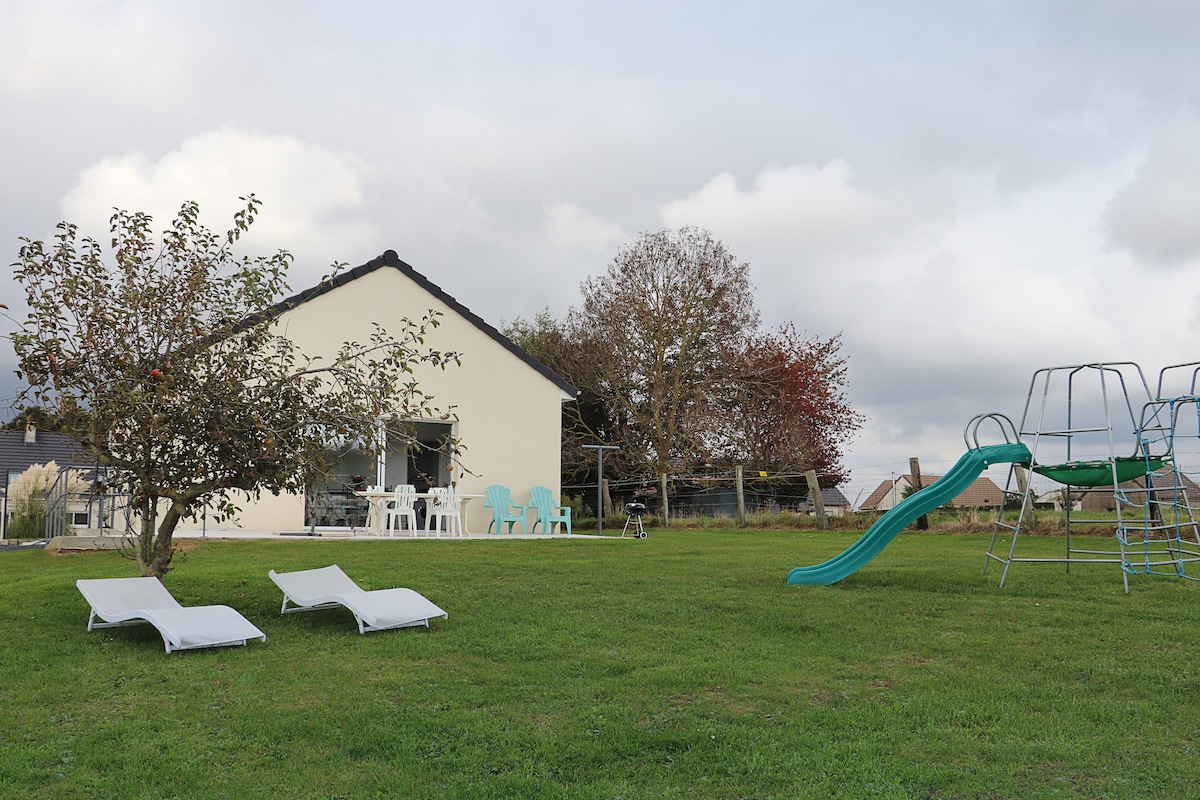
(1099, 473)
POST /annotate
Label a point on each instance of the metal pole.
(381, 442)
(599, 448)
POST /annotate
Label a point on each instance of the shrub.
(27, 500)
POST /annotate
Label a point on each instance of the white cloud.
(817, 209)
(957, 192)
(503, 269)
(314, 200)
(949, 297)
(573, 235)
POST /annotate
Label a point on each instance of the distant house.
(835, 503)
(20, 450)
(982, 493)
(1054, 500)
(1103, 499)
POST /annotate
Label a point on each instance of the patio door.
(416, 452)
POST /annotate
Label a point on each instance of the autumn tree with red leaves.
(790, 413)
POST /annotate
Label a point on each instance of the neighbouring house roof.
(982, 491)
(391, 259)
(881, 491)
(17, 454)
(831, 497)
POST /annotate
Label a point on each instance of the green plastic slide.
(877, 537)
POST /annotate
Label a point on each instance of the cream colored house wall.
(508, 414)
(894, 495)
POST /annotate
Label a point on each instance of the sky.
(964, 192)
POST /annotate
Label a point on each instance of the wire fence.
(764, 492)
(719, 491)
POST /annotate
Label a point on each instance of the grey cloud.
(506, 151)
(1156, 215)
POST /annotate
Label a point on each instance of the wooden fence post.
(914, 468)
(741, 496)
(666, 509)
(814, 491)
(1022, 487)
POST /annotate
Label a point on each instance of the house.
(835, 503)
(1055, 499)
(20, 450)
(1102, 498)
(982, 493)
(506, 407)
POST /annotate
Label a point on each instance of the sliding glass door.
(417, 452)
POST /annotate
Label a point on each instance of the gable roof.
(831, 497)
(390, 259)
(876, 497)
(17, 455)
(983, 491)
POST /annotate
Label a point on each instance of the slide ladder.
(879, 535)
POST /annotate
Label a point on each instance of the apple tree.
(163, 358)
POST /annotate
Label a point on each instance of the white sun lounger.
(378, 610)
(136, 601)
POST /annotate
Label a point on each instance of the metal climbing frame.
(1169, 436)
(1082, 428)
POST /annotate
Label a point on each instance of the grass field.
(679, 666)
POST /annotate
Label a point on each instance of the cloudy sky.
(967, 192)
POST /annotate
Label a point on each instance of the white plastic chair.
(447, 505)
(400, 507)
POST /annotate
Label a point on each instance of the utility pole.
(599, 448)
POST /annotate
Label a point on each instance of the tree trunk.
(155, 552)
(145, 545)
(666, 507)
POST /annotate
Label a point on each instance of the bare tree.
(666, 326)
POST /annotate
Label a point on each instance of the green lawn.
(679, 666)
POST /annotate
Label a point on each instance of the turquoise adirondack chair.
(499, 500)
(549, 513)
